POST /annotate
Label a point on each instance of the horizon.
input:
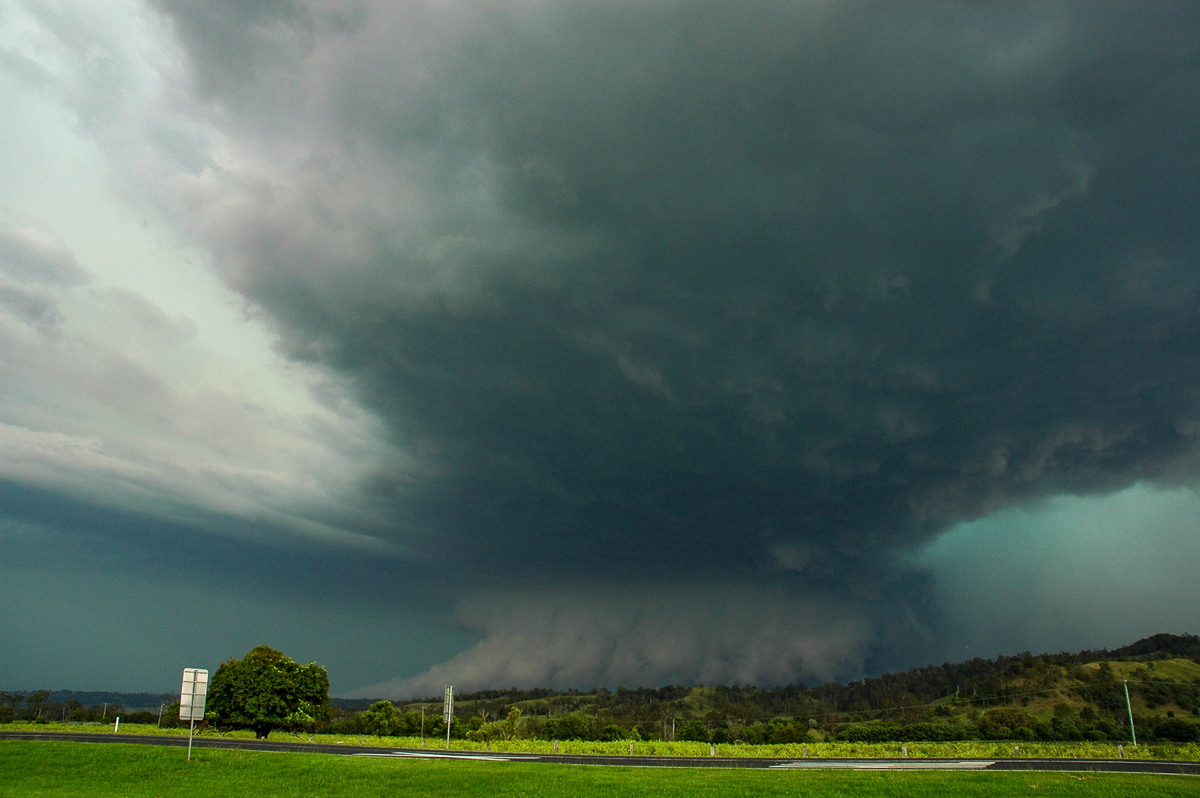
(437, 698)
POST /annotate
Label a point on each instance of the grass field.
(132, 771)
(982, 749)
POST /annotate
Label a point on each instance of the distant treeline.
(75, 706)
(1066, 696)
(981, 681)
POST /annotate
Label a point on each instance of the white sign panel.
(448, 705)
(191, 697)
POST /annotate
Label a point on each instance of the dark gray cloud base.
(758, 296)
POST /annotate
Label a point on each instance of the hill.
(1077, 695)
(1065, 696)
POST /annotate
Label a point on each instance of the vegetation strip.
(743, 762)
(1054, 706)
(39, 769)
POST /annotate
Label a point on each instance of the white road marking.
(914, 765)
(433, 755)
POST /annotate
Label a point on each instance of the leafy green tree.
(613, 732)
(267, 690)
(381, 718)
(568, 727)
(693, 730)
(1005, 723)
(511, 727)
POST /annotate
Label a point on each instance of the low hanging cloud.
(642, 634)
(709, 293)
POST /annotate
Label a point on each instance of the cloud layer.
(639, 634)
(704, 295)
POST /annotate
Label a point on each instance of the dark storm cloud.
(254, 559)
(681, 291)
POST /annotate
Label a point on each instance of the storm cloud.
(689, 325)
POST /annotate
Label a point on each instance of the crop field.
(94, 769)
(982, 749)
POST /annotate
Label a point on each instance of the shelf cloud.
(656, 342)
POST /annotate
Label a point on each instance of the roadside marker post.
(448, 711)
(191, 700)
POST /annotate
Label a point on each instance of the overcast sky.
(593, 343)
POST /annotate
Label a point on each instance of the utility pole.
(1129, 709)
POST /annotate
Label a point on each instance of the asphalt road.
(1072, 765)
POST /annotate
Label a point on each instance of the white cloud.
(131, 376)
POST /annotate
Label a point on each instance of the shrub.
(1177, 731)
(873, 733)
(930, 732)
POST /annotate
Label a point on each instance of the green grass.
(29, 768)
(1179, 669)
(983, 749)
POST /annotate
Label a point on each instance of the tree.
(568, 727)
(381, 718)
(37, 701)
(507, 729)
(1004, 723)
(510, 728)
(267, 690)
(9, 702)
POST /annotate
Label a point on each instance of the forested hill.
(1161, 646)
(1026, 696)
(1077, 695)
(976, 677)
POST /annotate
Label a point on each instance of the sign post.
(191, 700)
(448, 712)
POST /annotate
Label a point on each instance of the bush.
(1007, 724)
(923, 732)
(567, 727)
(693, 730)
(381, 718)
(791, 733)
(613, 732)
(873, 733)
(1177, 731)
